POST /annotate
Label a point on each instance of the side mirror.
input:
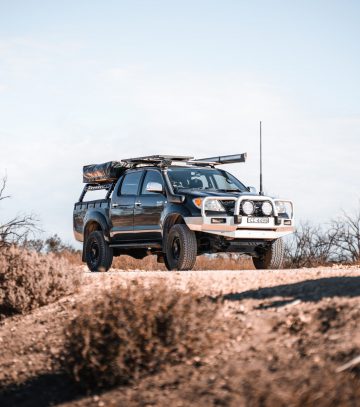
(253, 190)
(154, 187)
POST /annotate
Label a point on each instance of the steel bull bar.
(239, 226)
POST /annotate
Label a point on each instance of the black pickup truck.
(177, 208)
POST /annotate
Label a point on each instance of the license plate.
(258, 220)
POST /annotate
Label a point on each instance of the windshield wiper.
(230, 190)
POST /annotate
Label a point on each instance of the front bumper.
(241, 227)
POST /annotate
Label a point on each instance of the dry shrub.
(127, 332)
(29, 280)
(72, 256)
(150, 263)
(224, 263)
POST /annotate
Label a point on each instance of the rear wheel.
(272, 257)
(98, 254)
(180, 248)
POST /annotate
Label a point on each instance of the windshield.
(205, 179)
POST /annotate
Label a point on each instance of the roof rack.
(106, 173)
(157, 159)
(166, 160)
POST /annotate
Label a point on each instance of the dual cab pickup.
(178, 208)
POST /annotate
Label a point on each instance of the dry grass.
(73, 257)
(130, 331)
(29, 280)
(224, 263)
(150, 263)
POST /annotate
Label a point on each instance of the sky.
(86, 82)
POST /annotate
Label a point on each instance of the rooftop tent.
(103, 173)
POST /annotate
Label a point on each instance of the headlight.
(248, 207)
(280, 207)
(210, 205)
(266, 208)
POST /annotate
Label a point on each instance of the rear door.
(122, 206)
(148, 209)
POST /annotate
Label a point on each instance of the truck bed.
(82, 208)
(97, 203)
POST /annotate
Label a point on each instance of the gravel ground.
(220, 282)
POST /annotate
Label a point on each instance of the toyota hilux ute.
(177, 208)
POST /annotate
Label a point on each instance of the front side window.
(204, 178)
(131, 182)
(151, 176)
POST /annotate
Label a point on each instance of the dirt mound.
(286, 338)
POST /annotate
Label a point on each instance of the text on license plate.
(258, 220)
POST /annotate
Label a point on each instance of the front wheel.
(180, 248)
(272, 257)
(98, 254)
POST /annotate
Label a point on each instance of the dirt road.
(287, 336)
(318, 283)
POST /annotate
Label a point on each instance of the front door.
(122, 206)
(148, 209)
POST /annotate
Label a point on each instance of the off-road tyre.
(180, 248)
(272, 257)
(167, 265)
(98, 253)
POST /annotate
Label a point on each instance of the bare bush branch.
(347, 228)
(18, 229)
(311, 246)
(2, 189)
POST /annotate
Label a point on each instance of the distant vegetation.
(17, 229)
(338, 241)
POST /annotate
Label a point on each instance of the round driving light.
(248, 207)
(266, 208)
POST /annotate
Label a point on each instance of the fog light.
(287, 222)
(218, 220)
(248, 207)
(266, 208)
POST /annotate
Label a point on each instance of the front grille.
(258, 211)
(230, 208)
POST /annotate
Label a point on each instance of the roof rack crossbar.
(157, 159)
(201, 163)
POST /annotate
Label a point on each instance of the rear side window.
(131, 182)
(151, 176)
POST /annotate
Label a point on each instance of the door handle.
(115, 205)
(137, 203)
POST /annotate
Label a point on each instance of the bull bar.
(238, 226)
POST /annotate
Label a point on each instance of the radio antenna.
(261, 170)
